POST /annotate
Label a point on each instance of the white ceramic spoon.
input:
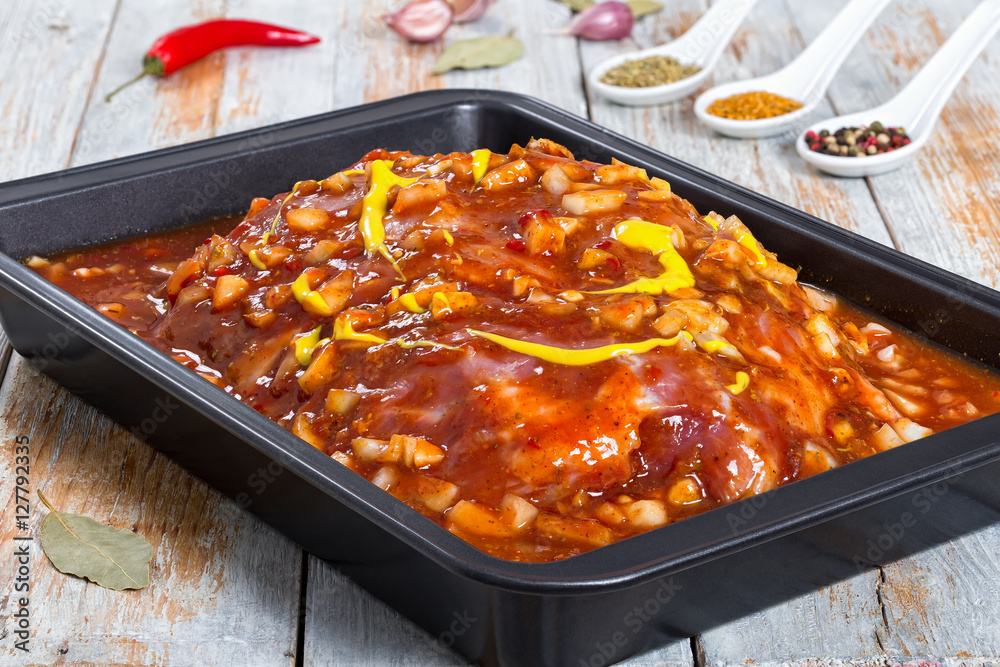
(805, 79)
(915, 108)
(701, 45)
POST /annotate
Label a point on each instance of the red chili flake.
(221, 271)
(655, 373)
(294, 264)
(616, 265)
(187, 281)
(533, 443)
(528, 216)
(515, 245)
(603, 245)
(207, 241)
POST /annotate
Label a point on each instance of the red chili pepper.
(515, 245)
(191, 43)
(221, 271)
(528, 216)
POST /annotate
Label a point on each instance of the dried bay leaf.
(642, 7)
(110, 557)
(479, 52)
(577, 5)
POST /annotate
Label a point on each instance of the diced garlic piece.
(610, 514)
(321, 369)
(555, 181)
(593, 201)
(909, 430)
(385, 478)
(467, 517)
(685, 491)
(586, 531)
(886, 354)
(343, 459)
(228, 290)
(625, 315)
(670, 323)
(303, 429)
(886, 438)
(517, 511)
(614, 174)
(513, 174)
(541, 235)
(380, 451)
(36, 262)
(875, 329)
(416, 452)
(341, 402)
(436, 494)
(818, 299)
(646, 513)
(903, 404)
(307, 220)
(522, 284)
(422, 194)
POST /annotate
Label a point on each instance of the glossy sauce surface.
(542, 355)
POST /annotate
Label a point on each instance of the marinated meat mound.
(540, 354)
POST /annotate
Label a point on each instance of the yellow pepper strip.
(742, 382)
(307, 344)
(747, 240)
(353, 172)
(300, 288)
(409, 301)
(656, 239)
(256, 260)
(343, 329)
(480, 163)
(712, 346)
(448, 238)
(375, 202)
(711, 221)
(566, 357)
(394, 293)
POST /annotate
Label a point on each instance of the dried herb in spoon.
(645, 72)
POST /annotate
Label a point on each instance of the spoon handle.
(925, 96)
(705, 41)
(824, 56)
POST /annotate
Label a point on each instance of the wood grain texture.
(49, 53)
(374, 63)
(944, 206)
(766, 42)
(225, 588)
(153, 113)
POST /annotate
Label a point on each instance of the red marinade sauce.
(431, 324)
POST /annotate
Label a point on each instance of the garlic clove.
(470, 10)
(603, 21)
(421, 20)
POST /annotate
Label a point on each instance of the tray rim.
(895, 472)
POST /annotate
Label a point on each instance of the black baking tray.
(592, 609)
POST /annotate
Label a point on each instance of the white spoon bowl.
(701, 45)
(805, 79)
(917, 107)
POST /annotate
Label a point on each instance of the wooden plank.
(224, 586)
(152, 113)
(764, 43)
(944, 206)
(374, 63)
(49, 51)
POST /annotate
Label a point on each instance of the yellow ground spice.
(753, 106)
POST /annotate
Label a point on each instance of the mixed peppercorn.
(858, 141)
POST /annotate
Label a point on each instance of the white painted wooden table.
(229, 590)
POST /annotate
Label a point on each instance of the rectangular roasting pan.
(593, 609)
